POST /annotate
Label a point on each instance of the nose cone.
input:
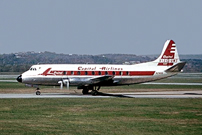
(19, 78)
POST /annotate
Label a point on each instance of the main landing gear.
(38, 92)
(94, 89)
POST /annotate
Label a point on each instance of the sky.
(94, 27)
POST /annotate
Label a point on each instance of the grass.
(101, 116)
(11, 85)
(181, 80)
(10, 73)
(156, 86)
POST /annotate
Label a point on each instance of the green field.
(101, 116)
(91, 116)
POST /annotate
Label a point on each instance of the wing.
(102, 79)
(98, 81)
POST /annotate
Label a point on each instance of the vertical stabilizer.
(169, 55)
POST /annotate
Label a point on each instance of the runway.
(167, 94)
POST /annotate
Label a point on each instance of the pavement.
(166, 94)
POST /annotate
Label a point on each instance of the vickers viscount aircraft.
(90, 77)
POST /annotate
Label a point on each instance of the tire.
(38, 93)
(85, 91)
(94, 92)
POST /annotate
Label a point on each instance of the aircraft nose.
(19, 78)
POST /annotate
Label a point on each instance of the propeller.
(64, 82)
(61, 84)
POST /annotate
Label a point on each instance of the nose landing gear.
(38, 92)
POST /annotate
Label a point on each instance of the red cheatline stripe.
(141, 73)
(90, 73)
(165, 64)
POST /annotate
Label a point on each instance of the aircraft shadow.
(98, 94)
(192, 94)
(113, 95)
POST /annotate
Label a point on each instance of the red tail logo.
(168, 57)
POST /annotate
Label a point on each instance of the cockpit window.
(32, 69)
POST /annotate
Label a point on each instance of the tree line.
(20, 62)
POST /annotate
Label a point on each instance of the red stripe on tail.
(168, 57)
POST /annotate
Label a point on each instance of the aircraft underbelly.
(139, 79)
(54, 81)
(41, 81)
(78, 81)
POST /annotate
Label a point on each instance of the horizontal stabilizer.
(176, 68)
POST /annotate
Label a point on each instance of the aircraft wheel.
(38, 93)
(85, 91)
(94, 92)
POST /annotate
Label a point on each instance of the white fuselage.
(80, 74)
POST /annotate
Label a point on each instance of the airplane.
(91, 77)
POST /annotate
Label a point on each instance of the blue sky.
(100, 26)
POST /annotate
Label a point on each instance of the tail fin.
(169, 55)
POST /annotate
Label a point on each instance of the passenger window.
(114, 73)
(78, 73)
(64, 73)
(127, 73)
(93, 73)
(86, 73)
(120, 73)
(106, 73)
(72, 72)
(100, 73)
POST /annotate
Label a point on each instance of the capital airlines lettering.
(110, 68)
(86, 68)
(102, 68)
(167, 57)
